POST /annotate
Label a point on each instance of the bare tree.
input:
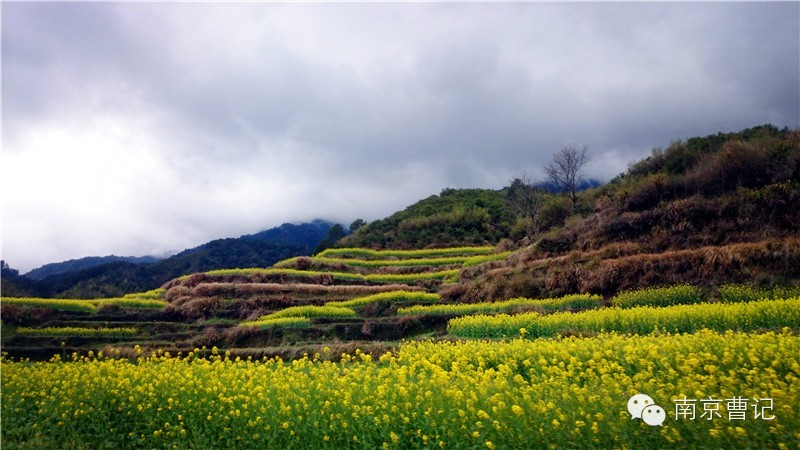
(525, 200)
(565, 170)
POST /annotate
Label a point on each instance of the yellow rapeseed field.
(544, 393)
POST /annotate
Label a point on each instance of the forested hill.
(120, 277)
(454, 217)
(75, 265)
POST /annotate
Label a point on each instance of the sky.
(143, 128)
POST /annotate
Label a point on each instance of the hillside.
(705, 211)
(454, 217)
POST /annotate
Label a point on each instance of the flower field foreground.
(546, 393)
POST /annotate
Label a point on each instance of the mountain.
(74, 265)
(120, 277)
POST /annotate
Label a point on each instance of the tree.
(565, 170)
(335, 233)
(525, 199)
(358, 223)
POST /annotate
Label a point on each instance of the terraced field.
(342, 298)
(380, 360)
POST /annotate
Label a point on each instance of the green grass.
(444, 275)
(63, 304)
(578, 301)
(732, 293)
(411, 262)
(284, 322)
(78, 331)
(311, 311)
(363, 253)
(66, 304)
(393, 296)
(682, 294)
(464, 261)
(131, 302)
(294, 273)
(342, 276)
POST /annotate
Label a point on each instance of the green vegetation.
(444, 275)
(372, 263)
(683, 294)
(642, 320)
(569, 302)
(50, 303)
(432, 261)
(64, 304)
(341, 276)
(454, 217)
(283, 322)
(368, 254)
(742, 293)
(311, 311)
(292, 273)
(77, 331)
(393, 296)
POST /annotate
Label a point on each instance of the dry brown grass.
(609, 270)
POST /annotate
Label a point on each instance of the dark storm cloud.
(219, 119)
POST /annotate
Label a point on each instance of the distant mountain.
(307, 234)
(74, 265)
(119, 277)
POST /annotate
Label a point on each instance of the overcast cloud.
(139, 128)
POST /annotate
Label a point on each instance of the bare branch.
(565, 170)
(525, 200)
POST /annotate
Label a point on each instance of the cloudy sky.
(140, 128)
